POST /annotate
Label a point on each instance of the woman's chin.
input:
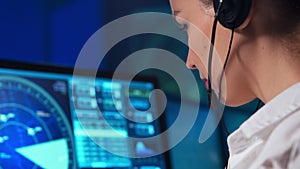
(235, 102)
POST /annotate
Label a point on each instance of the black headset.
(232, 13)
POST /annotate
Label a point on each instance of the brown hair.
(284, 22)
(281, 19)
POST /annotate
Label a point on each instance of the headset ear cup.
(232, 13)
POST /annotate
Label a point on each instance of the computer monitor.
(48, 119)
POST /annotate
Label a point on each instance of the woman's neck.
(275, 71)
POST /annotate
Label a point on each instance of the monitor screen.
(48, 119)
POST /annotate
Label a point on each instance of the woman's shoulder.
(288, 129)
(283, 144)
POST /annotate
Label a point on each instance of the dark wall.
(54, 31)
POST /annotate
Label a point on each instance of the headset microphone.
(230, 14)
(213, 99)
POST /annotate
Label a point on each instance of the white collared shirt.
(270, 139)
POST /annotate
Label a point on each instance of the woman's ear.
(248, 19)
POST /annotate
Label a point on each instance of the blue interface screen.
(50, 120)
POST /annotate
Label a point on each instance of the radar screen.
(35, 131)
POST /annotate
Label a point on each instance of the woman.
(264, 63)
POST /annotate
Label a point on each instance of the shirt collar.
(278, 108)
